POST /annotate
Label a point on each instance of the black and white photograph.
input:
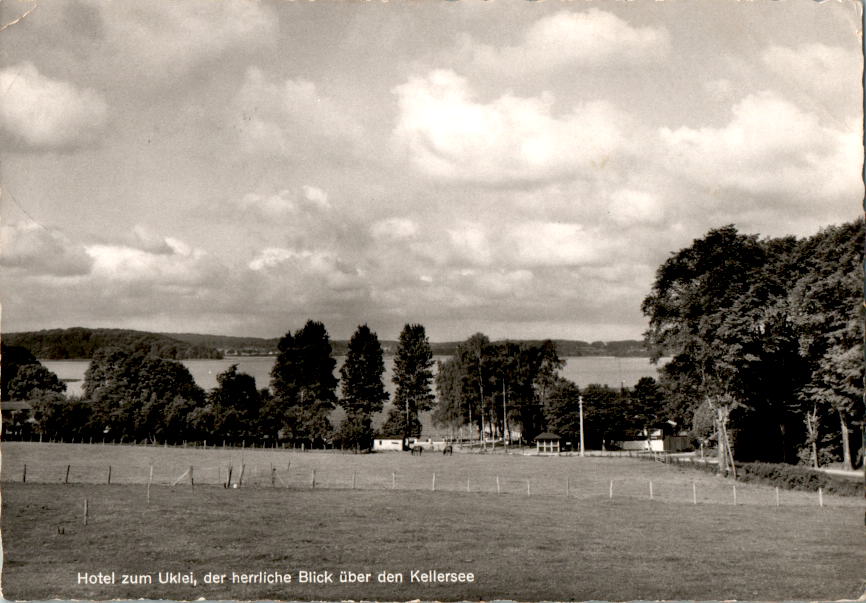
(470, 300)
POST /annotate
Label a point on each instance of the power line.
(24, 211)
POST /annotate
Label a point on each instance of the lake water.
(583, 370)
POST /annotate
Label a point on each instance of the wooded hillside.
(82, 343)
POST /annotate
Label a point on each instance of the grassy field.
(547, 476)
(518, 546)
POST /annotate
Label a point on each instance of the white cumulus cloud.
(286, 203)
(46, 113)
(573, 39)
(183, 265)
(308, 269)
(450, 134)
(553, 244)
(635, 207)
(770, 148)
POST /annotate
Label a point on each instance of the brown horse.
(417, 450)
(448, 449)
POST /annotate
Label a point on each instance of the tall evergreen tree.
(362, 388)
(303, 386)
(413, 375)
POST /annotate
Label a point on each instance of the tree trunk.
(812, 435)
(783, 442)
(726, 454)
(846, 445)
(720, 442)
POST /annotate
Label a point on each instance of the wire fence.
(296, 475)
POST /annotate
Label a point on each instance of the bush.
(791, 477)
(795, 477)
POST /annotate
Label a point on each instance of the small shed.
(384, 444)
(547, 443)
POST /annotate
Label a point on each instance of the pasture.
(560, 538)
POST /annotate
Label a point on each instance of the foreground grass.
(518, 547)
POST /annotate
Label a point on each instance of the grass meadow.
(551, 533)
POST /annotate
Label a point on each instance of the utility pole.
(580, 401)
(504, 418)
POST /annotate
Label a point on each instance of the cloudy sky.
(509, 167)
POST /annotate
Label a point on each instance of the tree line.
(501, 390)
(131, 394)
(765, 338)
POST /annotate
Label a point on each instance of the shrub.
(796, 477)
(791, 477)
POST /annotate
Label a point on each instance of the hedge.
(795, 477)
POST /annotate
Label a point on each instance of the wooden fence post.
(191, 480)
(109, 474)
(820, 497)
(149, 481)
(273, 477)
(528, 488)
(433, 486)
(24, 474)
(777, 496)
(567, 487)
(498, 489)
(85, 511)
(694, 494)
(313, 478)
(651, 489)
(393, 480)
(610, 491)
(735, 493)
(66, 479)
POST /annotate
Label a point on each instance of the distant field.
(547, 476)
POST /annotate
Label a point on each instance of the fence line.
(716, 491)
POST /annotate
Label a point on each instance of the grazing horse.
(448, 449)
(417, 449)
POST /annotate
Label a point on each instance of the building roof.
(546, 436)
